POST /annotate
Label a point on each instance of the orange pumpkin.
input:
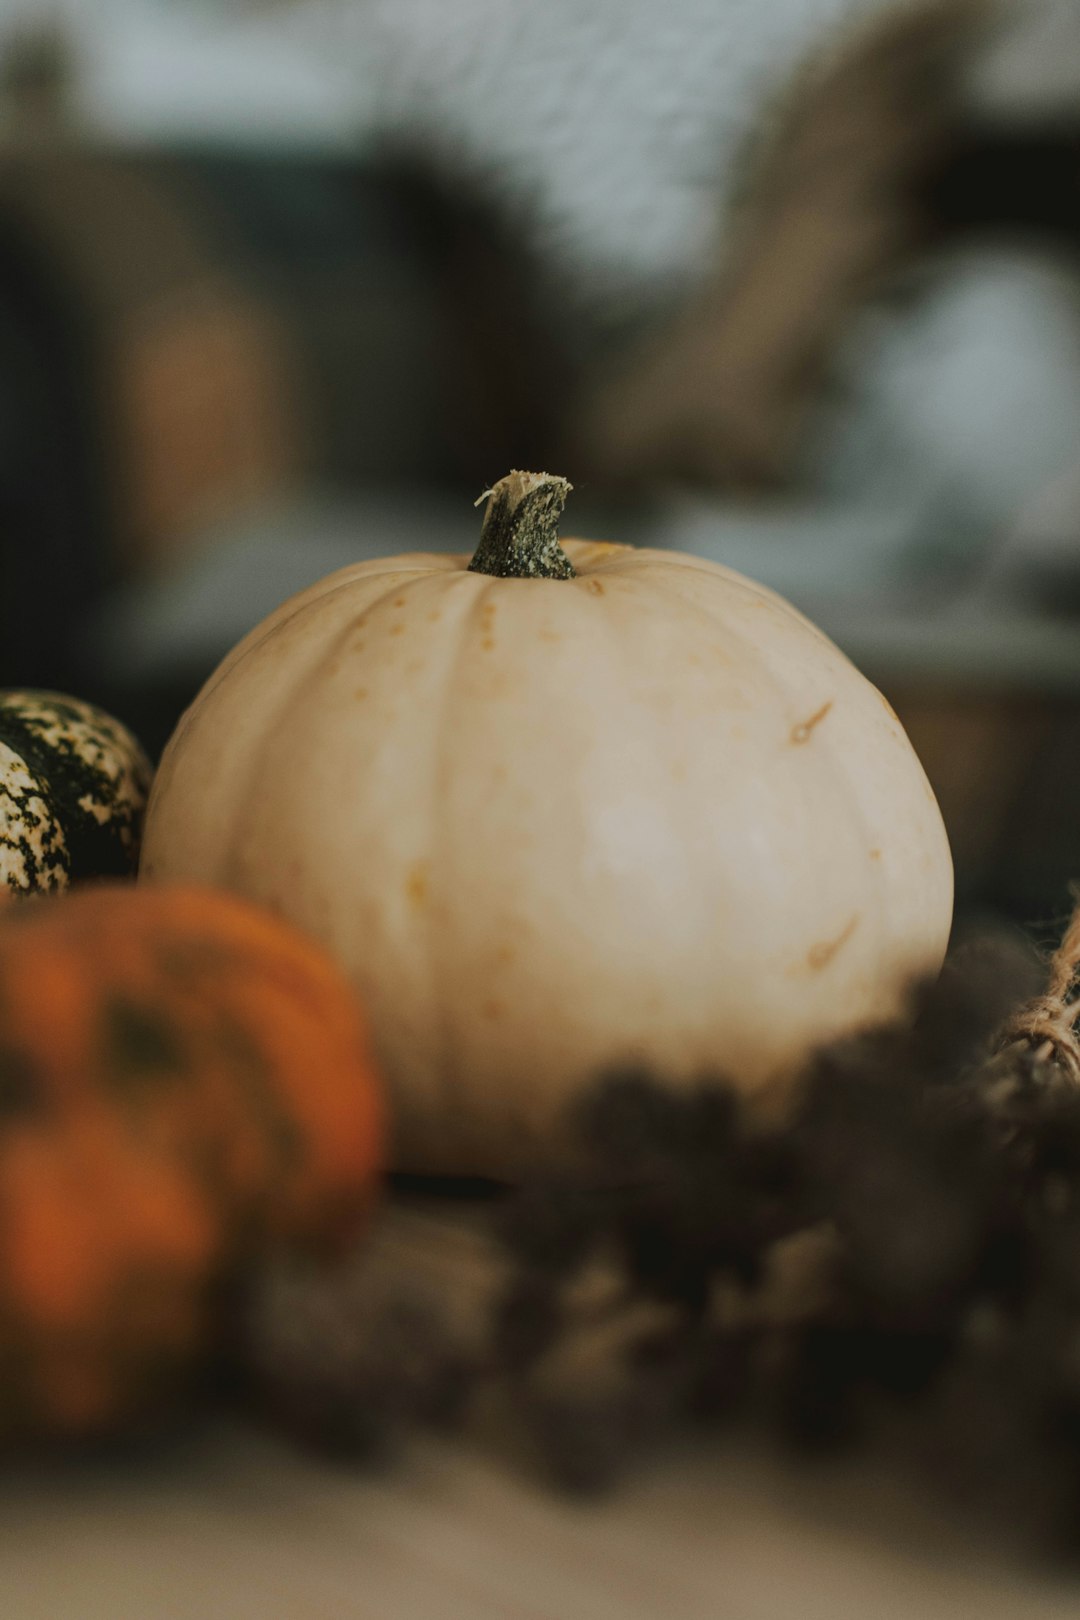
(184, 1079)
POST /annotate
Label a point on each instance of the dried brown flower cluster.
(895, 1262)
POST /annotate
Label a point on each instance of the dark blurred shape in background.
(286, 285)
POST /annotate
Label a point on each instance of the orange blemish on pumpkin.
(595, 585)
(417, 883)
(819, 956)
(488, 643)
(397, 630)
(550, 635)
(493, 1009)
(360, 694)
(875, 854)
(801, 732)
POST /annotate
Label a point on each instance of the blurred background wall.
(789, 283)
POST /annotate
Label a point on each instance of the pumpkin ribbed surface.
(646, 812)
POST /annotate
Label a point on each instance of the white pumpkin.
(643, 811)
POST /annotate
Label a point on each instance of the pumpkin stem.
(520, 538)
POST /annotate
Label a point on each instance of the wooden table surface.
(229, 1523)
(240, 1526)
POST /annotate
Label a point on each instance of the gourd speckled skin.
(639, 808)
(185, 1080)
(73, 789)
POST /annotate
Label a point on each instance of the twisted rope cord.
(1049, 1021)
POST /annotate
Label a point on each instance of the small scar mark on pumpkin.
(493, 1009)
(488, 643)
(595, 585)
(360, 694)
(875, 854)
(801, 733)
(417, 885)
(819, 956)
(397, 629)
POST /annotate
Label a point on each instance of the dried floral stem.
(1049, 1021)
